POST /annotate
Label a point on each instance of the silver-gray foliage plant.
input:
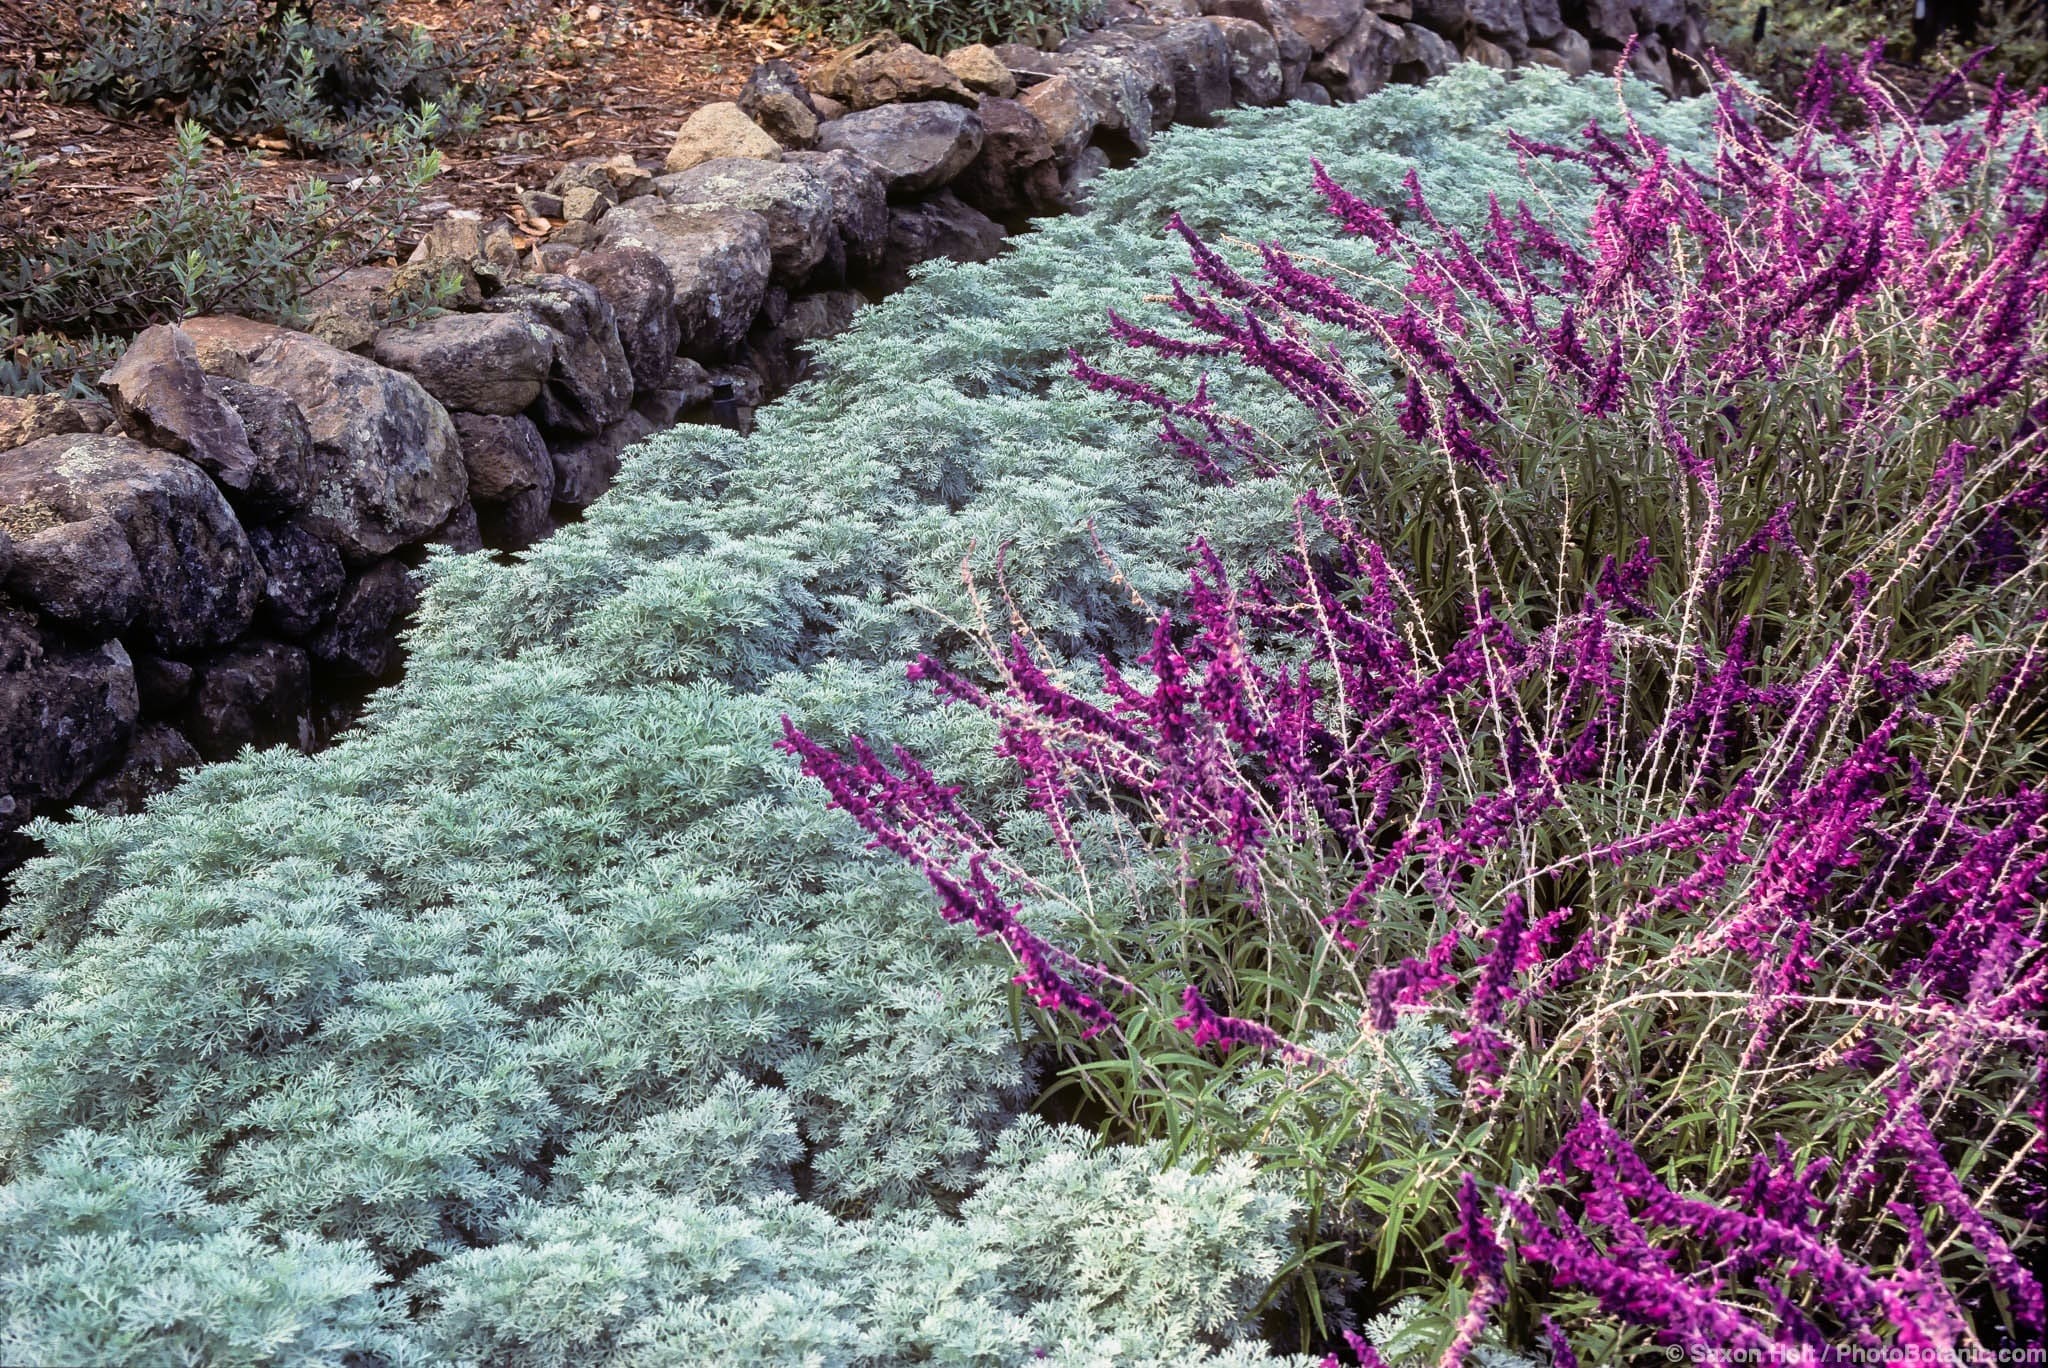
(551, 1017)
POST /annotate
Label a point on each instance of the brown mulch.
(631, 71)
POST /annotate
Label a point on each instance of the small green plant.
(326, 76)
(934, 25)
(200, 246)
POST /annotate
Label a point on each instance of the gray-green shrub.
(477, 986)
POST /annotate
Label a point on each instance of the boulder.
(347, 311)
(794, 201)
(885, 70)
(1573, 51)
(981, 71)
(475, 254)
(151, 765)
(860, 213)
(1027, 65)
(482, 362)
(1451, 18)
(1608, 23)
(87, 510)
(1542, 20)
(518, 522)
(585, 469)
(718, 130)
(283, 480)
(1323, 23)
(589, 384)
(302, 578)
(1092, 162)
(686, 386)
(161, 683)
(1500, 20)
(1066, 115)
(159, 395)
(1424, 55)
(1015, 175)
(361, 637)
(815, 316)
(256, 693)
(1127, 75)
(618, 175)
(66, 713)
(719, 260)
(1659, 16)
(941, 226)
(910, 147)
(1256, 77)
(1488, 53)
(1650, 61)
(387, 468)
(1293, 49)
(774, 97)
(1313, 94)
(462, 533)
(1363, 63)
(586, 204)
(24, 419)
(642, 295)
(828, 108)
(1393, 11)
(505, 456)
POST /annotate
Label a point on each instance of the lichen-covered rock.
(89, 511)
(793, 200)
(774, 98)
(1066, 115)
(302, 578)
(719, 260)
(860, 213)
(159, 394)
(23, 419)
(1323, 23)
(718, 130)
(585, 469)
(347, 311)
(1129, 78)
(589, 383)
(1293, 49)
(387, 468)
(911, 147)
(941, 226)
(505, 456)
(1362, 63)
(360, 638)
(1016, 174)
(885, 70)
(151, 765)
(66, 713)
(981, 71)
(642, 294)
(256, 693)
(1256, 75)
(482, 362)
(283, 480)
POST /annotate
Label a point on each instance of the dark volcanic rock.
(584, 469)
(941, 226)
(283, 480)
(159, 393)
(912, 147)
(719, 261)
(256, 693)
(361, 636)
(505, 455)
(482, 362)
(860, 213)
(589, 383)
(187, 575)
(774, 97)
(302, 577)
(153, 761)
(793, 200)
(66, 713)
(1015, 175)
(642, 294)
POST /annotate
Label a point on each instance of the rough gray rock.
(66, 713)
(1199, 55)
(151, 765)
(774, 97)
(482, 362)
(885, 70)
(347, 311)
(719, 261)
(1573, 52)
(910, 147)
(162, 684)
(1092, 162)
(302, 578)
(505, 456)
(24, 419)
(283, 480)
(686, 386)
(941, 226)
(174, 539)
(518, 522)
(1256, 74)
(1424, 55)
(585, 469)
(1451, 18)
(1363, 62)
(1608, 23)
(642, 293)
(1324, 23)
(159, 394)
(361, 637)
(589, 384)
(256, 693)
(1127, 74)
(860, 213)
(1015, 175)
(825, 314)
(795, 202)
(1542, 20)
(462, 533)
(387, 468)
(1067, 116)
(1502, 21)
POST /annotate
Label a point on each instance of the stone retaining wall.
(195, 564)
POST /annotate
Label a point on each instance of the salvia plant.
(1639, 725)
